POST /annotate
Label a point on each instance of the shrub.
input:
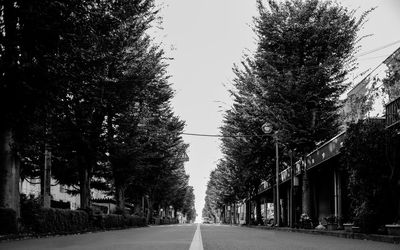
(29, 206)
(113, 221)
(118, 221)
(53, 220)
(8, 218)
(135, 221)
(372, 184)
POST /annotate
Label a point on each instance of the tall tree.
(31, 33)
(305, 51)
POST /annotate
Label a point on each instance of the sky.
(206, 38)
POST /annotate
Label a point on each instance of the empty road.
(195, 237)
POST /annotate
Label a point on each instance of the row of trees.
(293, 81)
(82, 79)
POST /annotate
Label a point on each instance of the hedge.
(166, 221)
(135, 221)
(8, 218)
(118, 221)
(54, 220)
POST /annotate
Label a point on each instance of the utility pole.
(278, 222)
(292, 207)
(267, 129)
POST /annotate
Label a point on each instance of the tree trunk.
(84, 185)
(234, 213)
(150, 210)
(45, 178)
(9, 173)
(248, 212)
(306, 198)
(120, 197)
(258, 211)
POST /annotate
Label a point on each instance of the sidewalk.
(337, 233)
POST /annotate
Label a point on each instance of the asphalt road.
(231, 237)
(168, 237)
(194, 237)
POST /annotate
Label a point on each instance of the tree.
(293, 81)
(188, 204)
(107, 77)
(248, 152)
(391, 82)
(30, 40)
(305, 51)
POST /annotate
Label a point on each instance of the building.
(60, 195)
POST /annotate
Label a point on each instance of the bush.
(121, 221)
(113, 221)
(53, 220)
(29, 206)
(372, 184)
(135, 221)
(8, 218)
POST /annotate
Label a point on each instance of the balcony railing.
(393, 113)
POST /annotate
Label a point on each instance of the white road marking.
(197, 242)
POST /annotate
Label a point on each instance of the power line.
(219, 136)
(379, 48)
(391, 55)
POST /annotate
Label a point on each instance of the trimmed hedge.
(8, 219)
(113, 221)
(119, 221)
(54, 220)
(167, 221)
(135, 221)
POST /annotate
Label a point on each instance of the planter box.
(331, 227)
(355, 229)
(348, 227)
(393, 229)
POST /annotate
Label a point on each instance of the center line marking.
(197, 242)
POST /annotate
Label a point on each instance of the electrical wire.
(379, 48)
(219, 136)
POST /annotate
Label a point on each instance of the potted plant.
(393, 229)
(305, 221)
(331, 222)
(348, 227)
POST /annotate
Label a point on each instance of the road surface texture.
(166, 237)
(231, 237)
(196, 237)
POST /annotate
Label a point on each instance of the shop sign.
(325, 152)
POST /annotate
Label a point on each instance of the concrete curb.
(25, 236)
(340, 234)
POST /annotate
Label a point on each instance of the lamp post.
(267, 129)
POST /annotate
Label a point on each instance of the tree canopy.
(305, 50)
(84, 79)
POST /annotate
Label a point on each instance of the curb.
(15, 237)
(340, 234)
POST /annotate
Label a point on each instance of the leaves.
(86, 78)
(293, 81)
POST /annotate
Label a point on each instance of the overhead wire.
(378, 48)
(366, 53)
(219, 136)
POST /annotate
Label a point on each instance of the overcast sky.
(206, 37)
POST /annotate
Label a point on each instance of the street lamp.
(267, 129)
